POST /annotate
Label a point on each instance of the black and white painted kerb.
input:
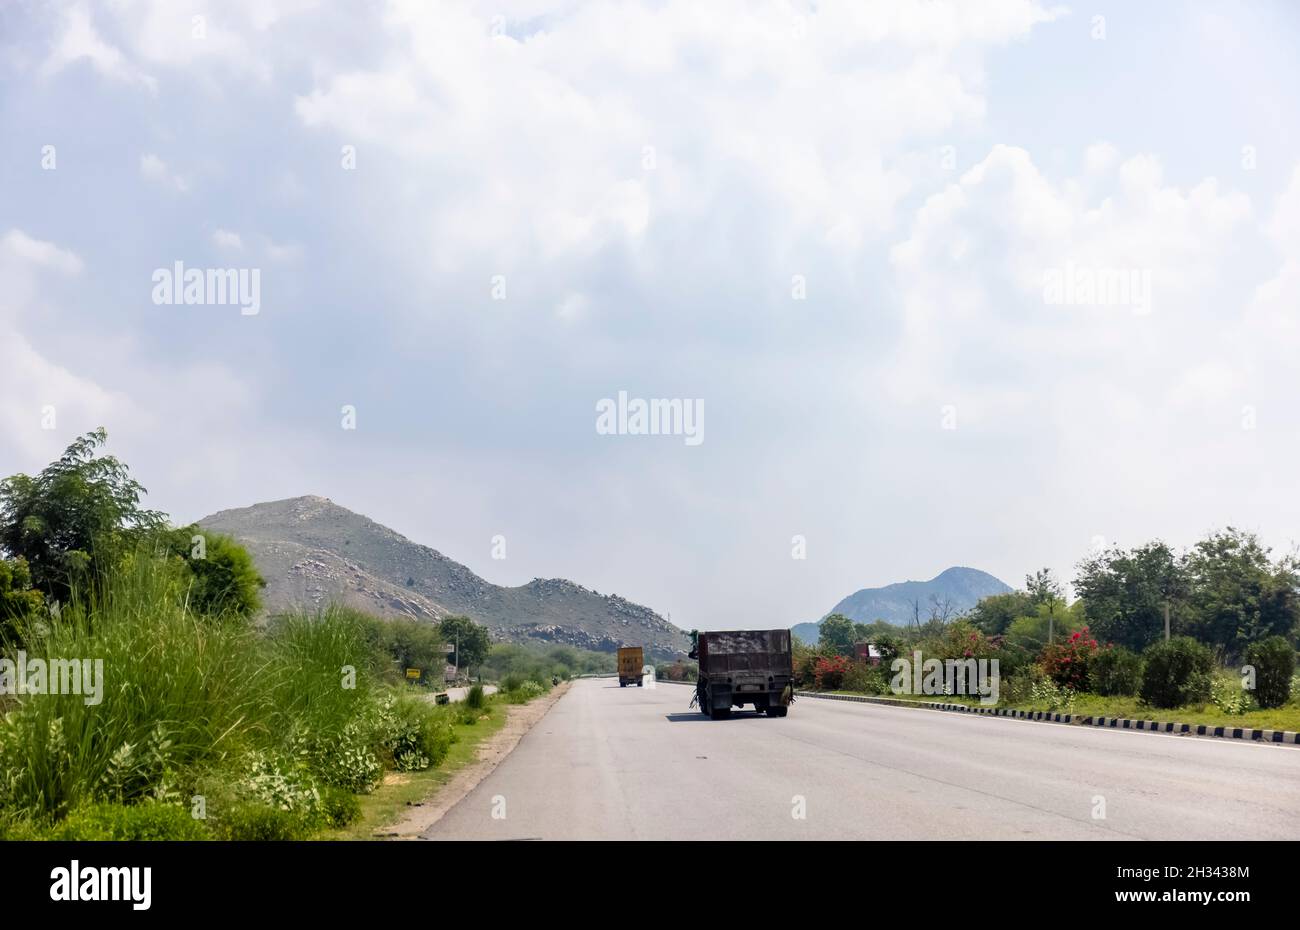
(1119, 723)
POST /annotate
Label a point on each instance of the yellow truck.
(630, 659)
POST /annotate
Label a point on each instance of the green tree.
(836, 633)
(75, 519)
(413, 644)
(1047, 595)
(471, 639)
(874, 631)
(224, 578)
(1237, 596)
(1030, 632)
(18, 599)
(1043, 588)
(1125, 594)
(995, 614)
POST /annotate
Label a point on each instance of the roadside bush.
(959, 640)
(277, 782)
(348, 758)
(260, 823)
(339, 807)
(1274, 662)
(1067, 663)
(467, 716)
(525, 692)
(678, 671)
(1227, 694)
(1029, 685)
(1114, 671)
(829, 672)
(415, 734)
(868, 679)
(107, 821)
(805, 666)
(1047, 693)
(476, 697)
(511, 682)
(16, 828)
(1176, 672)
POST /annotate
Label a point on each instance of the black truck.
(739, 667)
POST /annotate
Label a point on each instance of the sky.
(986, 284)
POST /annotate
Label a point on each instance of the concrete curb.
(1285, 737)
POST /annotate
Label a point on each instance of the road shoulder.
(520, 718)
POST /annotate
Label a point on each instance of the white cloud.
(37, 252)
(1274, 312)
(283, 251)
(31, 383)
(589, 130)
(155, 169)
(78, 41)
(225, 239)
(572, 307)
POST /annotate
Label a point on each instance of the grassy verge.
(191, 726)
(1286, 717)
(383, 806)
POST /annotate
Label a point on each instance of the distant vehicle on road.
(630, 663)
(739, 667)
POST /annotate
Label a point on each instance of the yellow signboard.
(412, 673)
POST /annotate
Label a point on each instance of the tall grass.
(322, 668)
(267, 727)
(179, 690)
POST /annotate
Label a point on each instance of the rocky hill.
(312, 551)
(957, 588)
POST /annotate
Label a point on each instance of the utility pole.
(1166, 621)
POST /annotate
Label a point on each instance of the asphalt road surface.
(636, 763)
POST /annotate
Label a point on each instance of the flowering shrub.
(1067, 663)
(349, 759)
(829, 671)
(1047, 692)
(412, 733)
(961, 640)
(1230, 697)
(278, 783)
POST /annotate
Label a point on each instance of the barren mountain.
(312, 551)
(956, 589)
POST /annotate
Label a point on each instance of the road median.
(1211, 731)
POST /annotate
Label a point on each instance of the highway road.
(636, 763)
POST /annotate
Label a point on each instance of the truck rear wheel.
(720, 713)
